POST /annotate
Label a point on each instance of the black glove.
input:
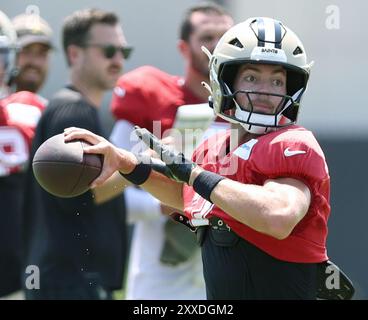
(178, 167)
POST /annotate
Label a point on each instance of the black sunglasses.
(110, 50)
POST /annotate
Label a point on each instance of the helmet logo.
(268, 54)
(269, 50)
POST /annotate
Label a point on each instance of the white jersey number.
(13, 150)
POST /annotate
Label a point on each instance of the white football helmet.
(7, 48)
(257, 41)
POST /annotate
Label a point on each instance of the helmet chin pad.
(255, 122)
(257, 129)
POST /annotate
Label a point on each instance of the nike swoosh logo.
(290, 153)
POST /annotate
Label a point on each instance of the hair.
(76, 26)
(186, 27)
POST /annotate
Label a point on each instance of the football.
(63, 169)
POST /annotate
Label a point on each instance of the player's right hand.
(178, 167)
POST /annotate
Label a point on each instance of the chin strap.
(209, 56)
(206, 52)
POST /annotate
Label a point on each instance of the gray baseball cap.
(31, 28)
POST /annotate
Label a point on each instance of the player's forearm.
(266, 210)
(110, 189)
(166, 190)
(161, 187)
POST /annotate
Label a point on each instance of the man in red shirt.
(19, 114)
(259, 193)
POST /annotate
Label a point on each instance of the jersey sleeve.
(296, 155)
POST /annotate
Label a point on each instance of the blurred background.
(334, 106)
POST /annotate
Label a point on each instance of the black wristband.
(205, 183)
(141, 172)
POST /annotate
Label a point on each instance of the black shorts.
(235, 269)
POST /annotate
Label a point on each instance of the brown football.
(63, 169)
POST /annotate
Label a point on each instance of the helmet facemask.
(255, 122)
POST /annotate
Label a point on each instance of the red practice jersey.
(23, 109)
(19, 115)
(148, 94)
(290, 152)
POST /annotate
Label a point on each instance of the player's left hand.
(179, 168)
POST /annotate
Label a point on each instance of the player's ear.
(184, 49)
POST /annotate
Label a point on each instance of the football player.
(258, 194)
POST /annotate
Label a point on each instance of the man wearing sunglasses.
(78, 244)
(157, 268)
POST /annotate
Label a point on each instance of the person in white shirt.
(155, 270)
